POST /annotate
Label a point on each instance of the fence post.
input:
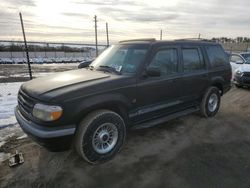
(107, 33)
(25, 44)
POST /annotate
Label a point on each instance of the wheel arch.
(218, 82)
(115, 103)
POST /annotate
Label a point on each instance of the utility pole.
(107, 33)
(96, 47)
(25, 44)
(161, 35)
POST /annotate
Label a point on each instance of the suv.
(134, 84)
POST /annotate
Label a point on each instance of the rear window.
(216, 55)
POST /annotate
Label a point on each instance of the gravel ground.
(187, 152)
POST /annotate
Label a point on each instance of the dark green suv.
(134, 84)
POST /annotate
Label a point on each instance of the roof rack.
(142, 39)
(198, 39)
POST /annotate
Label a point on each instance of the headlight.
(239, 72)
(47, 112)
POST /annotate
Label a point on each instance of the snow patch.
(8, 101)
(2, 143)
(4, 156)
(38, 74)
(22, 137)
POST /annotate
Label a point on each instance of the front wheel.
(100, 136)
(210, 102)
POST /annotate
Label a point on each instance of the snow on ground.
(61, 64)
(37, 74)
(8, 124)
(4, 156)
(8, 101)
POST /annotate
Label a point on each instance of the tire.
(95, 132)
(210, 102)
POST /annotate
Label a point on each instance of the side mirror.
(84, 64)
(153, 72)
(239, 62)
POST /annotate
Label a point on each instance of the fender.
(217, 80)
(99, 101)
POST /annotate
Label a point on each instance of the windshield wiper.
(112, 69)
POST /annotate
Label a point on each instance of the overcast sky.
(72, 20)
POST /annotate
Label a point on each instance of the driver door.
(158, 96)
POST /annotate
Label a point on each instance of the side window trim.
(177, 48)
(201, 57)
(236, 56)
(211, 64)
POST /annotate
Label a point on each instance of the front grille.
(246, 74)
(25, 103)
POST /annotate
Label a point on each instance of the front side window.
(122, 58)
(246, 57)
(192, 60)
(166, 60)
(216, 55)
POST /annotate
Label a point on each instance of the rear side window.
(216, 55)
(192, 60)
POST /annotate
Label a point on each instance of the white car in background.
(237, 60)
(241, 69)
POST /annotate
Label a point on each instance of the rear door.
(195, 75)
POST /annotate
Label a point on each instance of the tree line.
(231, 40)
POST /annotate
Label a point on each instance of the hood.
(57, 81)
(245, 68)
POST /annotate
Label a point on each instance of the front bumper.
(242, 80)
(53, 138)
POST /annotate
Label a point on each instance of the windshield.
(121, 58)
(246, 57)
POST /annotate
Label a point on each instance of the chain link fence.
(236, 47)
(45, 58)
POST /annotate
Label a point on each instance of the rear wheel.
(210, 102)
(100, 136)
